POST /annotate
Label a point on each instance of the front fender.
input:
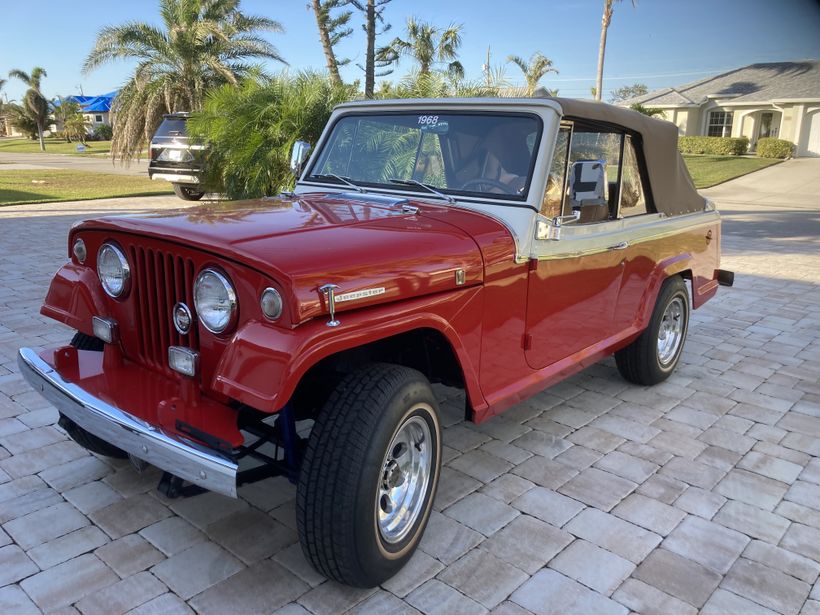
(263, 364)
(73, 297)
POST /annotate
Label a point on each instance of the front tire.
(187, 193)
(654, 355)
(369, 476)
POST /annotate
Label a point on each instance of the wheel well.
(425, 350)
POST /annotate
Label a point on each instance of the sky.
(660, 43)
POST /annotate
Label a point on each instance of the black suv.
(175, 159)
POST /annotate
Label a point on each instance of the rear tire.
(653, 356)
(187, 193)
(82, 341)
(369, 476)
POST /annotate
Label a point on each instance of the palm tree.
(428, 45)
(373, 26)
(35, 104)
(534, 69)
(331, 31)
(605, 21)
(201, 44)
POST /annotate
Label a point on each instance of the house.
(96, 109)
(776, 99)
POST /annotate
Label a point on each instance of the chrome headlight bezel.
(230, 296)
(125, 269)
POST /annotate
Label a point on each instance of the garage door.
(813, 146)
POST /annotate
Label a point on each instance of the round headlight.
(215, 301)
(271, 303)
(80, 253)
(113, 269)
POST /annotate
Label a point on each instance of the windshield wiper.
(344, 180)
(429, 188)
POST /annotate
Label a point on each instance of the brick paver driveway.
(594, 497)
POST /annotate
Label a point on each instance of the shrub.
(103, 132)
(250, 130)
(717, 146)
(769, 147)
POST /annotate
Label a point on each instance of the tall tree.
(628, 91)
(534, 69)
(374, 25)
(331, 31)
(606, 19)
(428, 45)
(200, 45)
(34, 103)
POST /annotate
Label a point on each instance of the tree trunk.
(40, 135)
(370, 56)
(605, 19)
(324, 36)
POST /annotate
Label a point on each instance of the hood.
(374, 248)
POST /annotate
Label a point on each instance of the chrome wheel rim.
(670, 333)
(404, 479)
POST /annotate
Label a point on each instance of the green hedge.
(769, 147)
(717, 146)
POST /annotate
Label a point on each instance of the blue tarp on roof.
(95, 104)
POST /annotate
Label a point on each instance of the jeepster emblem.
(182, 318)
(360, 294)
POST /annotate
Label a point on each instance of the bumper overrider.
(205, 467)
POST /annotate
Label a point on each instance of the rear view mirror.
(298, 156)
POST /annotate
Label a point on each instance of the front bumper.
(188, 460)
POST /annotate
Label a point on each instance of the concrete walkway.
(596, 496)
(72, 162)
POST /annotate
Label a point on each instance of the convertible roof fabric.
(672, 188)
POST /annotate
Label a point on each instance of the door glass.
(765, 125)
(596, 146)
(633, 200)
(551, 206)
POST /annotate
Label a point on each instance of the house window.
(98, 119)
(720, 124)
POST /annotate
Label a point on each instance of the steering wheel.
(492, 183)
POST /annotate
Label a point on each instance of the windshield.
(474, 154)
(171, 127)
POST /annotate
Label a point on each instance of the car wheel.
(369, 475)
(652, 357)
(82, 341)
(187, 193)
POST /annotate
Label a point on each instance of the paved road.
(95, 164)
(594, 497)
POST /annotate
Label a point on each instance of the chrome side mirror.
(588, 183)
(298, 156)
(551, 229)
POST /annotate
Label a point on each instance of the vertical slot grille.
(161, 280)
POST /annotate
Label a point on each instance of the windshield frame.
(500, 198)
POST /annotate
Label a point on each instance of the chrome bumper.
(188, 460)
(176, 179)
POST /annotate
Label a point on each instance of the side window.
(594, 164)
(551, 205)
(633, 199)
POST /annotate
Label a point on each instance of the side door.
(574, 281)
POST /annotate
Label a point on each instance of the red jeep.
(493, 245)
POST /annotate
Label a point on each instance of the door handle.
(619, 246)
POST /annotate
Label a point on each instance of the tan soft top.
(672, 187)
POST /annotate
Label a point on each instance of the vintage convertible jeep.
(494, 245)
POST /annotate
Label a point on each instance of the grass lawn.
(56, 185)
(53, 146)
(707, 171)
